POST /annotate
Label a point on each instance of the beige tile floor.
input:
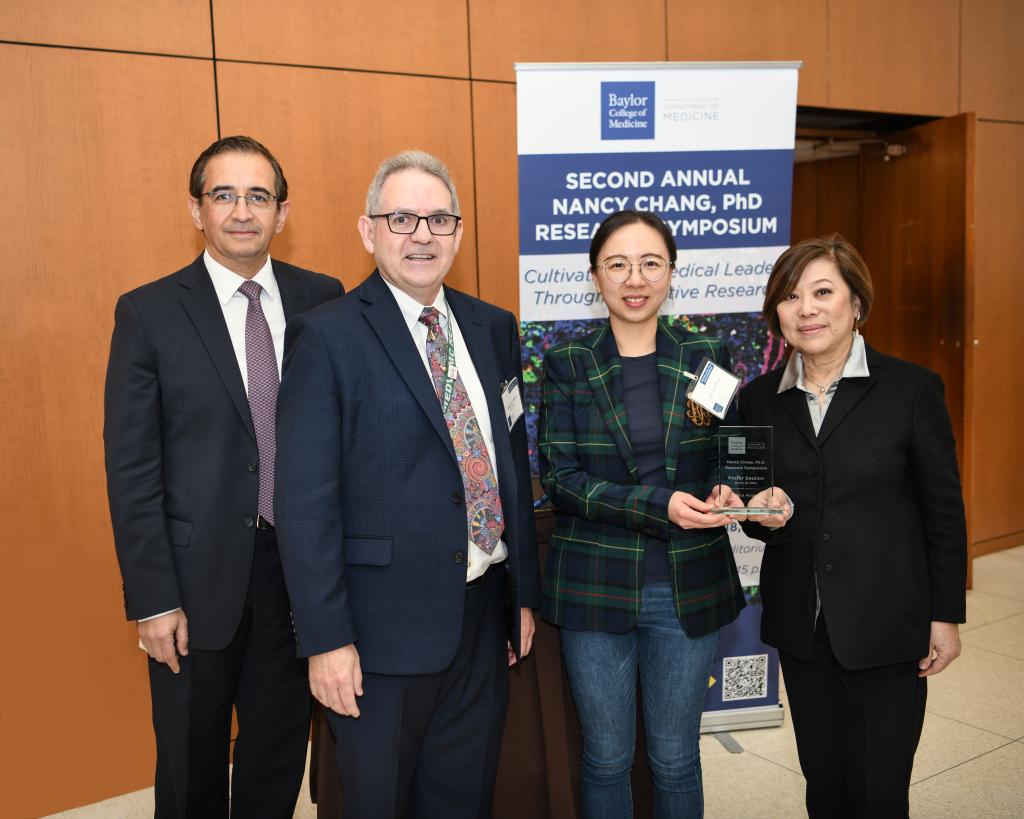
(970, 762)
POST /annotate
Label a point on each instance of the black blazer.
(879, 515)
(181, 456)
(369, 506)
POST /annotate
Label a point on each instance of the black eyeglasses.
(227, 199)
(439, 224)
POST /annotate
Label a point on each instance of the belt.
(263, 523)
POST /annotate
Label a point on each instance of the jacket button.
(828, 567)
(456, 497)
(826, 537)
(249, 522)
(459, 557)
(251, 466)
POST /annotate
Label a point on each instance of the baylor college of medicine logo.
(627, 110)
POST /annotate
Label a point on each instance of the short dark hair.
(242, 145)
(790, 267)
(620, 219)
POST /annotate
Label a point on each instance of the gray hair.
(405, 161)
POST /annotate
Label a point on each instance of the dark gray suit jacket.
(181, 456)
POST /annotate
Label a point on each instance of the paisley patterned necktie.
(483, 503)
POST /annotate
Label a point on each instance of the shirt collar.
(226, 282)
(412, 309)
(856, 366)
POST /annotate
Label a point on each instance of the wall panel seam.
(960, 58)
(216, 86)
(472, 146)
(495, 82)
(104, 50)
(238, 61)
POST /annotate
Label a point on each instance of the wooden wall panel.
(755, 30)
(901, 57)
(504, 33)
(423, 37)
(992, 58)
(497, 192)
(996, 385)
(161, 26)
(827, 198)
(305, 116)
(95, 205)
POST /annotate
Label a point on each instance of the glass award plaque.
(745, 466)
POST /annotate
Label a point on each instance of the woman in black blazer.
(864, 587)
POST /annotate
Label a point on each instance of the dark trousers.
(856, 732)
(259, 674)
(427, 746)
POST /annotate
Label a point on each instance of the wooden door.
(912, 218)
(915, 225)
(917, 222)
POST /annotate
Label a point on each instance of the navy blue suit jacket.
(370, 516)
(181, 456)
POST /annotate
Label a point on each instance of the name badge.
(513, 402)
(713, 388)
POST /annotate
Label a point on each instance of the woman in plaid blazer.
(640, 575)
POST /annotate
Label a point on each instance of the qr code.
(745, 678)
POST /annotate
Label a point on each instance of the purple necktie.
(261, 369)
(483, 502)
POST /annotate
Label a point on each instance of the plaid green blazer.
(594, 570)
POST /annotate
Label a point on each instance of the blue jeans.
(674, 671)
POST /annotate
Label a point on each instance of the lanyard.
(451, 371)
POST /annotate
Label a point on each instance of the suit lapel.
(382, 312)
(480, 346)
(294, 299)
(794, 402)
(848, 394)
(672, 386)
(604, 373)
(204, 311)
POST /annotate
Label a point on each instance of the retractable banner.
(708, 147)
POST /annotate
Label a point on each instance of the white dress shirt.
(235, 306)
(856, 367)
(411, 309)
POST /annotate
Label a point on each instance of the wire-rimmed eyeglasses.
(618, 269)
(225, 199)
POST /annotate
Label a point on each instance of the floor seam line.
(953, 767)
(969, 725)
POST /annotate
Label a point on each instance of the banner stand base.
(739, 719)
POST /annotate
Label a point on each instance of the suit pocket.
(368, 551)
(180, 531)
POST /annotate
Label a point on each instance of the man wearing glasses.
(191, 391)
(405, 511)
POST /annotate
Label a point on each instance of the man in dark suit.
(405, 511)
(189, 434)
